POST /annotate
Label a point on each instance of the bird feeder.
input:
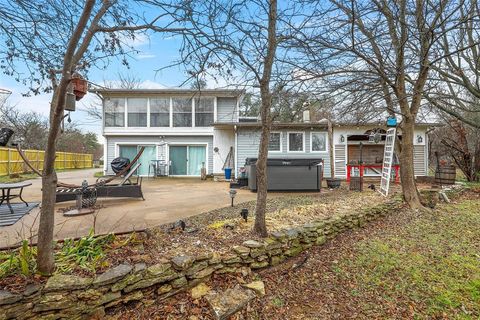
(80, 86)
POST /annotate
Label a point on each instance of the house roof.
(171, 91)
(380, 124)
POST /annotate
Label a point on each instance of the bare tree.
(387, 47)
(52, 40)
(246, 42)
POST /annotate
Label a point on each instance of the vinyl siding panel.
(112, 141)
(226, 109)
(248, 141)
(340, 160)
(419, 160)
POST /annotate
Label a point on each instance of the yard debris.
(257, 286)
(200, 290)
(227, 303)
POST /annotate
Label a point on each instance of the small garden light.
(244, 214)
(232, 193)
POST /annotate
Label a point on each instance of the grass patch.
(431, 263)
(17, 177)
(98, 174)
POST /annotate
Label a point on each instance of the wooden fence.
(11, 162)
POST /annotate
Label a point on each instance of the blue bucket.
(228, 173)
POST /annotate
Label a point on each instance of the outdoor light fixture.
(232, 194)
(419, 139)
(244, 214)
(342, 138)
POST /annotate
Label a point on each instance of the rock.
(293, 251)
(225, 304)
(157, 269)
(321, 240)
(129, 280)
(113, 275)
(275, 260)
(139, 267)
(252, 244)
(203, 273)
(256, 252)
(200, 290)
(31, 289)
(241, 250)
(182, 262)
(257, 286)
(196, 267)
(66, 282)
(231, 258)
(180, 282)
(6, 297)
(152, 278)
(259, 265)
(164, 289)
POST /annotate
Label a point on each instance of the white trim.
(326, 142)
(215, 111)
(148, 112)
(281, 144)
(187, 144)
(193, 112)
(125, 119)
(170, 120)
(303, 141)
(236, 152)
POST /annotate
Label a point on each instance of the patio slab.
(166, 200)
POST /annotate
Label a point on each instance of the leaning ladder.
(387, 161)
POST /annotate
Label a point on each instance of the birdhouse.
(80, 86)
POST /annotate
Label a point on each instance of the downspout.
(330, 147)
(236, 153)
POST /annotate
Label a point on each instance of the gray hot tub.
(288, 174)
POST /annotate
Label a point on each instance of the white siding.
(113, 141)
(420, 160)
(226, 110)
(340, 160)
(248, 141)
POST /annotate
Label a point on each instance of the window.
(160, 112)
(318, 141)
(204, 112)
(137, 112)
(275, 142)
(115, 112)
(182, 112)
(295, 142)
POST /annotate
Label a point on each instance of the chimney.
(306, 116)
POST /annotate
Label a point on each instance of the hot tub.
(288, 174)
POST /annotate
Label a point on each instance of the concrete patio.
(166, 200)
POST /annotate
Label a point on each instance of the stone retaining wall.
(73, 297)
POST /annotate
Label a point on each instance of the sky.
(154, 53)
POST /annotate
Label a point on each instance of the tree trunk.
(45, 256)
(407, 175)
(260, 226)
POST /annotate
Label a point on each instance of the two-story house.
(188, 130)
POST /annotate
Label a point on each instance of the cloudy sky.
(155, 52)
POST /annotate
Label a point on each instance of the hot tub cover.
(287, 162)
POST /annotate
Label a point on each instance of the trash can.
(228, 173)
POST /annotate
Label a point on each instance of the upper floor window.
(182, 112)
(204, 112)
(160, 112)
(137, 112)
(296, 142)
(275, 142)
(319, 141)
(115, 112)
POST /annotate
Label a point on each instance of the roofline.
(382, 124)
(274, 125)
(216, 92)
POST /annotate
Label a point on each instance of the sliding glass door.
(187, 160)
(149, 154)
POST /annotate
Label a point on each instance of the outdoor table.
(7, 194)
